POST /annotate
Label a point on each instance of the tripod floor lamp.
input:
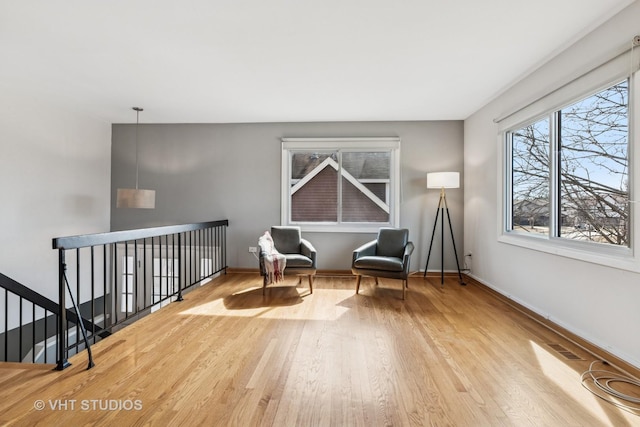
(442, 180)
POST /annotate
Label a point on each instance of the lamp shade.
(136, 198)
(443, 180)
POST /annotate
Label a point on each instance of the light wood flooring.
(227, 356)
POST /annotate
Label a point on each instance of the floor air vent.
(564, 352)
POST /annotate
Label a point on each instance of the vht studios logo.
(88, 405)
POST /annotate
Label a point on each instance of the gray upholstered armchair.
(387, 256)
(299, 253)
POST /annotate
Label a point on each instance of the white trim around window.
(388, 202)
(620, 257)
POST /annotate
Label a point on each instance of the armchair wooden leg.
(376, 281)
(404, 289)
(358, 277)
(310, 284)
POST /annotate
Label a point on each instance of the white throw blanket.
(274, 261)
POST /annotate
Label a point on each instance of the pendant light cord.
(137, 110)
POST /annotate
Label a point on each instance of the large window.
(568, 172)
(340, 184)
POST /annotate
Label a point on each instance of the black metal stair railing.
(114, 278)
(117, 277)
(28, 324)
(32, 320)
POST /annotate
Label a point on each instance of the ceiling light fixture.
(135, 197)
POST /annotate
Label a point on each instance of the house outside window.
(348, 184)
(568, 172)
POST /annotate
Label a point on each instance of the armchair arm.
(406, 258)
(408, 250)
(368, 249)
(307, 249)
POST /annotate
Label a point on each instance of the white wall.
(54, 181)
(207, 172)
(597, 302)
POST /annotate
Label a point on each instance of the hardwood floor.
(228, 356)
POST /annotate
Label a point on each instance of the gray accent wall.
(232, 171)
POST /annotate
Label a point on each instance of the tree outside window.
(581, 153)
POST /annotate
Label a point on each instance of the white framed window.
(340, 184)
(568, 177)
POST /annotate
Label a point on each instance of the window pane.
(128, 261)
(594, 180)
(365, 186)
(530, 178)
(314, 187)
(127, 303)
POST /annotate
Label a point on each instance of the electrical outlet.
(253, 249)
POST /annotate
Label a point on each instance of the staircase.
(106, 281)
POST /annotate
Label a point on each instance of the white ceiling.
(222, 61)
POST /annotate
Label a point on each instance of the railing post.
(62, 315)
(179, 267)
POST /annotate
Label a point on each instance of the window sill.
(614, 257)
